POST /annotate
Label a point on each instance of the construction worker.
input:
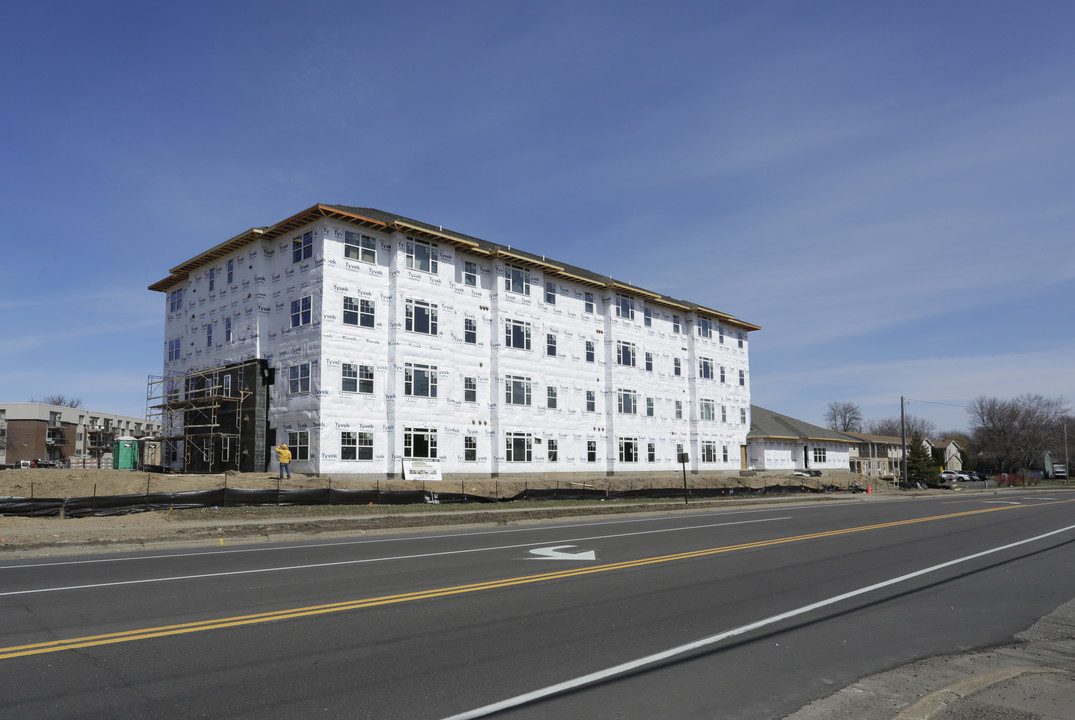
(284, 456)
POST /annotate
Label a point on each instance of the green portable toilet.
(125, 453)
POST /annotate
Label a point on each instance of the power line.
(935, 402)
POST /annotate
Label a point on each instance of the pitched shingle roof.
(769, 424)
(390, 222)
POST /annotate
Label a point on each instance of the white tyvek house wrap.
(767, 454)
(266, 281)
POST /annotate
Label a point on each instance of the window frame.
(511, 449)
(298, 379)
(411, 434)
(413, 311)
(708, 451)
(707, 409)
(355, 247)
(518, 387)
(430, 258)
(298, 442)
(359, 312)
(550, 292)
(517, 279)
(511, 327)
(411, 374)
(302, 311)
(628, 449)
(470, 331)
(302, 247)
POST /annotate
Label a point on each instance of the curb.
(937, 702)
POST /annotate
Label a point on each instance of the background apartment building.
(382, 338)
(61, 434)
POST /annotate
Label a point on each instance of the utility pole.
(903, 442)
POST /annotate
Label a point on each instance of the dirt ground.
(53, 535)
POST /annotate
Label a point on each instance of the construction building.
(370, 342)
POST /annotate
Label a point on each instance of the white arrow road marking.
(556, 553)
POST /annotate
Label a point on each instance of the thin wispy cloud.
(845, 175)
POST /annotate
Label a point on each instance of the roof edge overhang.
(300, 219)
(439, 236)
(801, 438)
(514, 257)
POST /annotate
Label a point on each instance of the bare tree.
(916, 427)
(61, 400)
(844, 417)
(1016, 433)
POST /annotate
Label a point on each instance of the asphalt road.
(732, 613)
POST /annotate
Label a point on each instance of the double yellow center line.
(275, 616)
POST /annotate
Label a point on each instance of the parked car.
(949, 478)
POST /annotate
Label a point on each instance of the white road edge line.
(407, 538)
(373, 560)
(713, 639)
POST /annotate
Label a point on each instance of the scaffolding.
(201, 417)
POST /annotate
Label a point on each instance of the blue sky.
(886, 188)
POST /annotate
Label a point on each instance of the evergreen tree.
(920, 465)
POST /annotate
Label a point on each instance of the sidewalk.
(1031, 679)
